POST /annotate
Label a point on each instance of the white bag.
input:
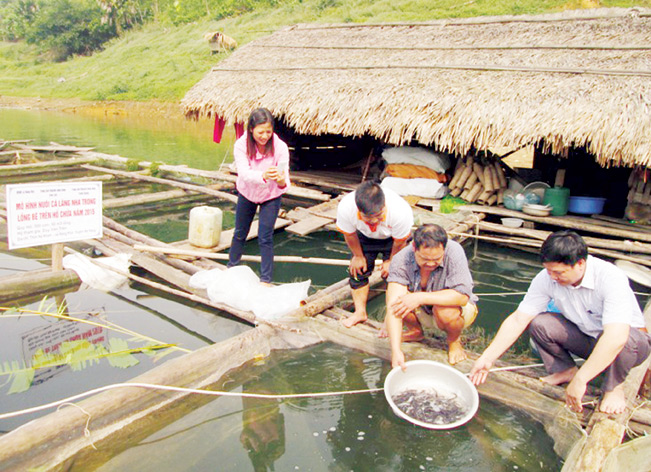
(240, 288)
(425, 188)
(95, 276)
(421, 156)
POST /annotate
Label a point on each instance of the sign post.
(53, 213)
(57, 257)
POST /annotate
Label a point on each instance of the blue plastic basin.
(587, 205)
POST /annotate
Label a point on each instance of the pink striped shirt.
(249, 171)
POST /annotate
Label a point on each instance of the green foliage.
(78, 355)
(154, 168)
(21, 377)
(133, 165)
(16, 18)
(64, 28)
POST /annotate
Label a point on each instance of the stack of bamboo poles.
(639, 187)
(638, 206)
(482, 181)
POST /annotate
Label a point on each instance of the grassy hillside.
(162, 61)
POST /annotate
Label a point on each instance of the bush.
(16, 17)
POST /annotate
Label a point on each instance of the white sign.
(40, 214)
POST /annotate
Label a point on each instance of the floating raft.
(122, 411)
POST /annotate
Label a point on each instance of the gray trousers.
(556, 338)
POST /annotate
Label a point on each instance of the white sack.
(95, 276)
(240, 288)
(418, 156)
(425, 188)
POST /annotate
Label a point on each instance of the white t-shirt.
(604, 296)
(397, 222)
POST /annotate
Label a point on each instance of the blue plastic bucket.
(587, 205)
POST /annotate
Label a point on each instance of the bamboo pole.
(537, 243)
(562, 221)
(494, 178)
(329, 299)
(605, 432)
(127, 245)
(479, 172)
(457, 174)
(626, 245)
(500, 174)
(57, 257)
(172, 183)
(35, 283)
(301, 192)
(456, 191)
(212, 255)
(492, 200)
(484, 197)
(474, 192)
(41, 166)
(467, 170)
(470, 183)
(488, 179)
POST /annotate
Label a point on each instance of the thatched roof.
(580, 78)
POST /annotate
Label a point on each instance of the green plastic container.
(559, 199)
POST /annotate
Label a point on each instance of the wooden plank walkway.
(319, 315)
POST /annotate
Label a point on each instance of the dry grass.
(565, 79)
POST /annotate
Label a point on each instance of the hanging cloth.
(239, 130)
(219, 129)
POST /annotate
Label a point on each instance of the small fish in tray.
(429, 406)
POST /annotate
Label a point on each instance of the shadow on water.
(338, 433)
(151, 320)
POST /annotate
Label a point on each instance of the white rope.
(211, 392)
(179, 389)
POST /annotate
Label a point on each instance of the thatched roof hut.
(562, 81)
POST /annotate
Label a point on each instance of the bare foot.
(383, 333)
(354, 319)
(560, 377)
(456, 353)
(613, 402)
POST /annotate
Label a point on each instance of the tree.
(66, 27)
(16, 17)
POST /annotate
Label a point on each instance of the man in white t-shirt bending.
(599, 321)
(373, 221)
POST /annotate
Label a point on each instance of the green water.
(172, 141)
(340, 433)
(311, 434)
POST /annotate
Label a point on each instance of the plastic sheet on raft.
(98, 277)
(240, 288)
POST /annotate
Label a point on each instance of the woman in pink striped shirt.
(262, 161)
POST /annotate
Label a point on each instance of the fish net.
(565, 429)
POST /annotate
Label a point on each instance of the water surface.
(351, 432)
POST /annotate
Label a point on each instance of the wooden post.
(57, 257)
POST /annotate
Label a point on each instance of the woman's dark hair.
(369, 198)
(430, 235)
(257, 117)
(565, 247)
